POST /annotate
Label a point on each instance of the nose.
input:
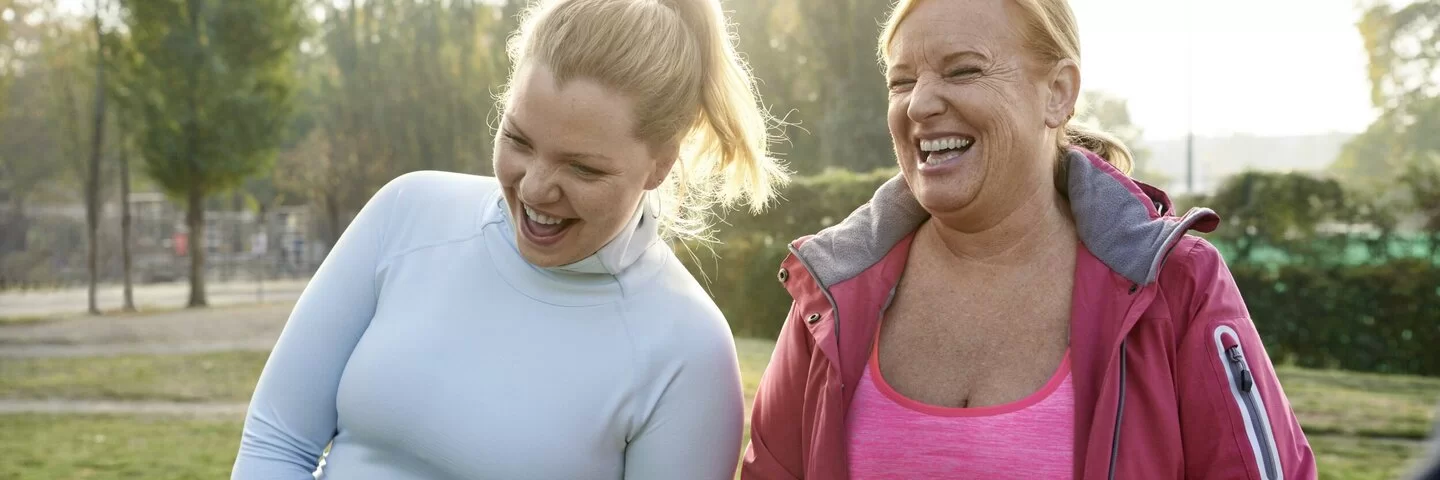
(539, 185)
(925, 102)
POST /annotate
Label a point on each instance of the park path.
(107, 407)
(73, 301)
(249, 327)
(228, 328)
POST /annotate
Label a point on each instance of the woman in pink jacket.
(1013, 305)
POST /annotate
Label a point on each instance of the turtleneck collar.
(589, 281)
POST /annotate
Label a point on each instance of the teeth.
(944, 144)
(541, 218)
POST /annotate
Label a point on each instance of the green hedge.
(1378, 318)
(1383, 317)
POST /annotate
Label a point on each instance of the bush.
(740, 273)
(1378, 318)
(741, 276)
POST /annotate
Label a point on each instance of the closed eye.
(963, 72)
(516, 140)
(900, 84)
(585, 170)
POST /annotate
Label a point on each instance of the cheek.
(509, 166)
(896, 118)
(597, 201)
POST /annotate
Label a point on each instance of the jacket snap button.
(784, 275)
(814, 317)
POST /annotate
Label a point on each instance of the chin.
(947, 196)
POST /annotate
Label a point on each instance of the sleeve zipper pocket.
(1247, 398)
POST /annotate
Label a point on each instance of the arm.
(693, 431)
(292, 413)
(1235, 418)
(775, 436)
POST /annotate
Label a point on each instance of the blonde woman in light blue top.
(536, 325)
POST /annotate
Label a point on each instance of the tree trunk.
(332, 220)
(92, 182)
(195, 194)
(125, 226)
(195, 220)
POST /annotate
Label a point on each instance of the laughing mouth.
(940, 150)
(544, 226)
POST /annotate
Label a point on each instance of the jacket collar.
(1127, 225)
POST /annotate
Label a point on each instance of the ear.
(665, 158)
(1064, 89)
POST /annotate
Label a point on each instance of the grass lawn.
(1361, 426)
(228, 376)
(1363, 404)
(21, 320)
(108, 447)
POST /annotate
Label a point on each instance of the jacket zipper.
(1119, 415)
(1247, 397)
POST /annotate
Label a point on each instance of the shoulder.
(1193, 261)
(428, 188)
(430, 207)
(1196, 281)
(674, 319)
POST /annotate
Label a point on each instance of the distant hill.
(1219, 157)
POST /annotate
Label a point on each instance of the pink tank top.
(893, 437)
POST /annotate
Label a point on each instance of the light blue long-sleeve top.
(426, 347)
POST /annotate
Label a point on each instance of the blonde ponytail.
(1105, 145)
(676, 60)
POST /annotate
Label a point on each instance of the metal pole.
(1189, 107)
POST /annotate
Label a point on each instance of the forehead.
(580, 116)
(936, 28)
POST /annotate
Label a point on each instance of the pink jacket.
(1171, 379)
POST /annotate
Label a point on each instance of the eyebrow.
(572, 156)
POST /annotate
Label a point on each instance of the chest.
(968, 339)
(488, 383)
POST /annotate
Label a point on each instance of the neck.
(1034, 228)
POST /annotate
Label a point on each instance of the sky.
(1259, 67)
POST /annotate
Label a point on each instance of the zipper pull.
(1246, 380)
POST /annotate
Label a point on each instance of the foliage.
(388, 88)
(1378, 318)
(1400, 148)
(210, 84)
(1278, 210)
(209, 87)
(850, 87)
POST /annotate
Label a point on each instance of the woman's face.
(570, 166)
(971, 113)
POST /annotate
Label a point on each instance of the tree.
(212, 88)
(392, 87)
(1276, 210)
(32, 139)
(125, 242)
(841, 38)
(1400, 147)
(92, 178)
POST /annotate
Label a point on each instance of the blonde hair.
(677, 60)
(1052, 34)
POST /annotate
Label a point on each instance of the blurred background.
(163, 154)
